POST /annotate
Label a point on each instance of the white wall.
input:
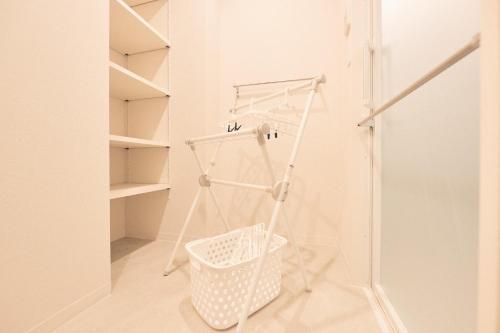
(264, 41)
(356, 159)
(54, 230)
(190, 79)
(218, 43)
(430, 166)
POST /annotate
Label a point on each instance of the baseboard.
(389, 310)
(68, 312)
(302, 240)
(380, 316)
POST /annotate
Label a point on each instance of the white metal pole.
(289, 229)
(302, 127)
(222, 136)
(279, 204)
(296, 249)
(267, 161)
(183, 231)
(258, 270)
(205, 172)
(243, 185)
(277, 94)
(191, 209)
(271, 82)
(198, 161)
(217, 207)
(447, 63)
(212, 161)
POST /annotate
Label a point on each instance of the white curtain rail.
(312, 83)
(244, 185)
(453, 59)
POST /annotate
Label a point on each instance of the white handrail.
(453, 59)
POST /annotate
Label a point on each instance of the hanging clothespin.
(235, 128)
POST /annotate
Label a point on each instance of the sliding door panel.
(429, 166)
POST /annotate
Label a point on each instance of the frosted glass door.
(429, 166)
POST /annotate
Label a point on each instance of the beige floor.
(144, 301)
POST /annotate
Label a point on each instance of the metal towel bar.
(450, 61)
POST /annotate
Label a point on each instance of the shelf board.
(130, 33)
(126, 85)
(129, 189)
(128, 142)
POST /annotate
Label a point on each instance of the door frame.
(374, 39)
(489, 177)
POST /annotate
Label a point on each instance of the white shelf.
(130, 33)
(128, 189)
(128, 142)
(126, 85)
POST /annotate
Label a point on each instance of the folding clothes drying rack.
(277, 188)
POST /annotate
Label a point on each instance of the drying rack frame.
(278, 188)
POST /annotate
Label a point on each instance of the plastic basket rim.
(190, 244)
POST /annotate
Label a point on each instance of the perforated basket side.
(218, 293)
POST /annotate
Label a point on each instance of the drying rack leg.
(210, 190)
(193, 206)
(183, 231)
(296, 249)
(219, 210)
(278, 206)
(258, 270)
(289, 230)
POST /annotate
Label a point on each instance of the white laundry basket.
(220, 274)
